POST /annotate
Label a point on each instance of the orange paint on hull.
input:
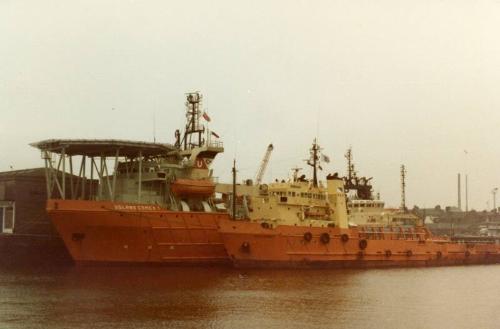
(113, 232)
(251, 245)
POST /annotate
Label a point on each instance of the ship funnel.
(337, 198)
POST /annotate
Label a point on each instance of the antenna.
(494, 192)
(296, 173)
(234, 189)
(154, 128)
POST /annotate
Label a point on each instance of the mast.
(194, 130)
(234, 189)
(313, 162)
(403, 188)
(350, 165)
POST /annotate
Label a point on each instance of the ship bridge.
(98, 154)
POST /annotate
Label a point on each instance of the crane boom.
(263, 164)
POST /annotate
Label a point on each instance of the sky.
(399, 81)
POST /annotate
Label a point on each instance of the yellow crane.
(263, 164)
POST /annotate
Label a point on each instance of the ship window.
(283, 199)
(309, 195)
(293, 193)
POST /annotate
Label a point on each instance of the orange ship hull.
(113, 232)
(251, 245)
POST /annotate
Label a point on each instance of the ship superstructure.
(306, 201)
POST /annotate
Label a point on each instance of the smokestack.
(403, 189)
(466, 194)
(459, 194)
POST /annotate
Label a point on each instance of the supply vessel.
(304, 223)
(144, 202)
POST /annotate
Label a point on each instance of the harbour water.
(217, 297)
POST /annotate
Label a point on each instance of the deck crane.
(263, 164)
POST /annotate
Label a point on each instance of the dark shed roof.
(24, 173)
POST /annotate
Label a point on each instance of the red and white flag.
(206, 117)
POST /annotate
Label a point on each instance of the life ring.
(439, 255)
(388, 253)
(409, 253)
(245, 247)
(467, 253)
(363, 244)
(344, 237)
(308, 236)
(325, 238)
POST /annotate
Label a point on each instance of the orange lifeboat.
(186, 187)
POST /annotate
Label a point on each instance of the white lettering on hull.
(133, 207)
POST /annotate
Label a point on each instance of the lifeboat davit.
(200, 187)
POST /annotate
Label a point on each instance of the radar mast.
(193, 131)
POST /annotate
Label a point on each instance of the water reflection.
(217, 297)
